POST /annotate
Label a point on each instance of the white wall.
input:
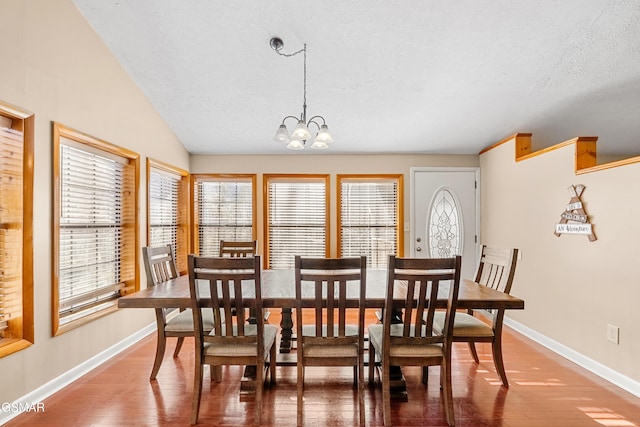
(54, 65)
(572, 287)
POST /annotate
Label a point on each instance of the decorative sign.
(574, 219)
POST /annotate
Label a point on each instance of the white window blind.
(11, 226)
(225, 212)
(164, 190)
(91, 228)
(297, 221)
(369, 220)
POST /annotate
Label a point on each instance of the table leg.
(286, 326)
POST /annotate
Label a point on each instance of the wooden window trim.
(340, 178)
(131, 282)
(24, 329)
(184, 222)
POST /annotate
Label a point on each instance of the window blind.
(164, 190)
(91, 230)
(297, 221)
(11, 227)
(225, 212)
(369, 220)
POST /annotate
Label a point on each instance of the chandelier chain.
(304, 97)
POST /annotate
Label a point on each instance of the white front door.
(444, 214)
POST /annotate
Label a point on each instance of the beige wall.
(54, 65)
(314, 163)
(572, 287)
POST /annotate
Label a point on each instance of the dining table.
(278, 292)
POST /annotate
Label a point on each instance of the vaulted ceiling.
(410, 76)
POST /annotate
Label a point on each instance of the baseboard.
(590, 365)
(46, 390)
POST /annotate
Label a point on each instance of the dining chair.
(241, 249)
(336, 287)
(160, 266)
(496, 269)
(238, 249)
(235, 342)
(412, 287)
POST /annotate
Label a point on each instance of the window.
(296, 212)
(95, 218)
(445, 225)
(167, 210)
(16, 233)
(224, 207)
(370, 217)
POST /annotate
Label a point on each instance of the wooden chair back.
(497, 268)
(420, 280)
(334, 284)
(159, 264)
(238, 249)
(225, 279)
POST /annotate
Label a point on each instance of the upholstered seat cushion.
(183, 321)
(419, 350)
(464, 324)
(224, 349)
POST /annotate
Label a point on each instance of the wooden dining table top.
(278, 291)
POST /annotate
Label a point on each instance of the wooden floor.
(546, 390)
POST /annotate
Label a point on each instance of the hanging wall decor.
(574, 219)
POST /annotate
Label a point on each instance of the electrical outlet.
(613, 334)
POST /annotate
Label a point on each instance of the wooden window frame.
(183, 246)
(21, 329)
(267, 178)
(130, 257)
(398, 178)
(195, 178)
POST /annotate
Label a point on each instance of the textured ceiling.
(411, 76)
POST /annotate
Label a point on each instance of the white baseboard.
(46, 390)
(590, 365)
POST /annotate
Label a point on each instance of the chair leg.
(386, 395)
(197, 391)
(474, 353)
(272, 364)
(160, 347)
(425, 375)
(361, 389)
(259, 387)
(372, 363)
(448, 394)
(355, 377)
(497, 360)
(215, 372)
(178, 346)
(300, 386)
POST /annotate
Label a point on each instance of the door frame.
(412, 221)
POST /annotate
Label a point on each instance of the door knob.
(419, 239)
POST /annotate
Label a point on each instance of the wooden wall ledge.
(585, 159)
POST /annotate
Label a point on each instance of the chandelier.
(300, 135)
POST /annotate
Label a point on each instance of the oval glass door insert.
(444, 225)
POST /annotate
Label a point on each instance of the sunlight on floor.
(606, 417)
